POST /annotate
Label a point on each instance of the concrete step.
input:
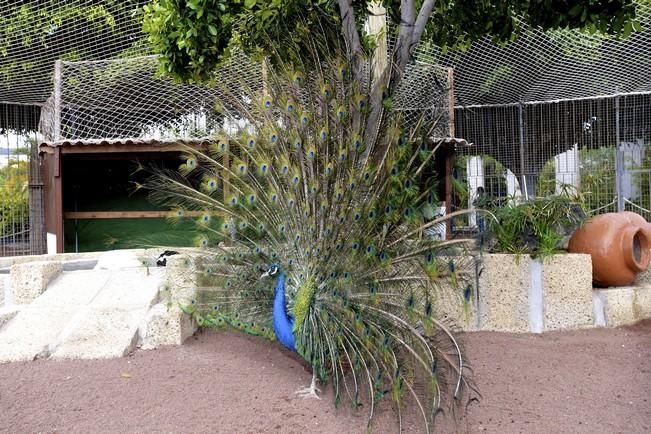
(84, 314)
(614, 307)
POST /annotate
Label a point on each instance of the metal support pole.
(57, 100)
(523, 180)
(619, 162)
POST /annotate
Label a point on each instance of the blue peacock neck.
(282, 322)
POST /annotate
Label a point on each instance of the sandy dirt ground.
(589, 381)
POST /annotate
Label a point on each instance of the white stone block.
(30, 279)
(165, 326)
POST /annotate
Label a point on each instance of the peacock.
(314, 231)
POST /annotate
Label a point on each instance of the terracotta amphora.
(619, 245)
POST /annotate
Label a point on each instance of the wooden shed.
(89, 182)
(91, 204)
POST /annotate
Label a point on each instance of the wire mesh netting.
(551, 110)
(598, 149)
(552, 65)
(126, 98)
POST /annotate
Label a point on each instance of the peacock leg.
(310, 392)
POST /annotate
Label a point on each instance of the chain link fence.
(596, 148)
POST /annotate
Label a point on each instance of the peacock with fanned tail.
(335, 217)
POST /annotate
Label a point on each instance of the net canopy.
(539, 66)
(553, 65)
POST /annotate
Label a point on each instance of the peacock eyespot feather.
(205, 218)
(411, 301)
(251, 143)
(273, 138)
(297, 144)
(267, 103)
(394, 171)
(357, 216)
(212, 184)
(305, 120)
(467, 293)
(323, 135)
(355, 246)
(215, 307)
(191, 163)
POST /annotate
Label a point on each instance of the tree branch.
(351, 35)
(403, 45)
(421, 22)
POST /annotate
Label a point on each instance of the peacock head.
(273, 270)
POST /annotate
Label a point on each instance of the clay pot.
(619, 245)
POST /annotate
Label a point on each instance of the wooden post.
(377, 25)
(57, 101)
(58, 198)
(451, 128)
(450, 156)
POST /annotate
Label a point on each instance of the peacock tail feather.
(295, 179)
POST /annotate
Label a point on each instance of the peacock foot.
(311, 391)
